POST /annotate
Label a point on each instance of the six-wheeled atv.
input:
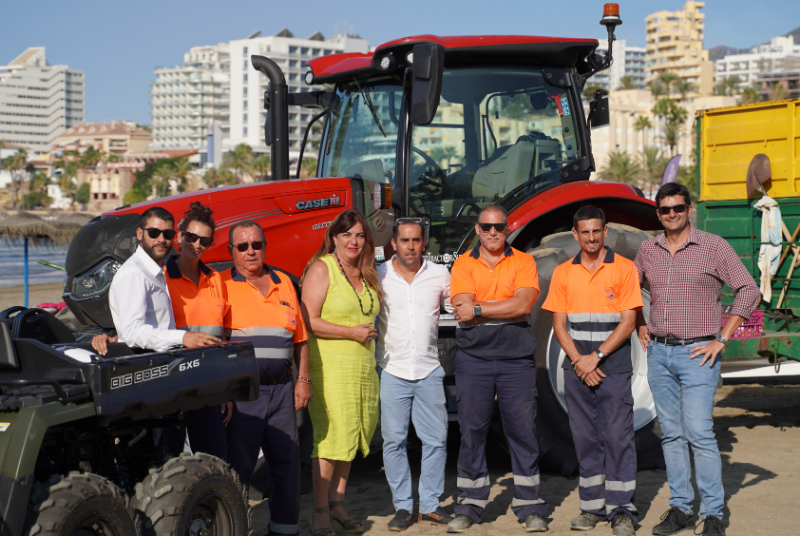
(77, 449)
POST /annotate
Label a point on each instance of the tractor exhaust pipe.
(276, 127)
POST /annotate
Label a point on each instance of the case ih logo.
(332, 201)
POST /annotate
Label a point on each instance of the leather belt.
(279, 379)
(674, 341)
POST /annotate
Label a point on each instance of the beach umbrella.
(25, 228)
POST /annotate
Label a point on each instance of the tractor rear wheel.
(79, 503)
(555, 439)
(193, 495)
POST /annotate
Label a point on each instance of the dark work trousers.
(601, 421)
(206, 434)
(269, 423)
(514, 383)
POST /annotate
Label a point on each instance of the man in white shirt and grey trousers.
(412, 388)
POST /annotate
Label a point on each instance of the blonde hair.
(366, 260)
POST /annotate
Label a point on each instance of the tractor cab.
(453, 124)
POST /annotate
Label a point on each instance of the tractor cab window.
(497, 132)
(363, 133)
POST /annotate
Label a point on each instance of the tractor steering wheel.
(416, 171)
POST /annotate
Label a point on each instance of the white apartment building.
(187, 101)
(780, 54)
(247, 112)
(628, 61)
(38, 101)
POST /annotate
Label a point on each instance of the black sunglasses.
(205, 241)
(499, 227)
(154, 233)
(244, 246)
(679, 209)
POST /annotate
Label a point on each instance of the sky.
(119, 44)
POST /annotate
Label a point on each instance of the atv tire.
(557, 450)
(79, 503)
(192, 495)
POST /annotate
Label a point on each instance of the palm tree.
(673, 118)
(777, 92)
(621, 168)
(67, 181)
(239, 159)
(657, 89)
(16, 164)
(626, 82)
(684, 87)
(641, 125)
(182, 170)
(750, 96)
(308, 167)
(728, 86)
(667, 78)
(653, 165)
(261, 166)
(160, 179)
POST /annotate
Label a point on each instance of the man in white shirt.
(412, 386)
(138, 297)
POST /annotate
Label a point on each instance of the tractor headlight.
(97, 280)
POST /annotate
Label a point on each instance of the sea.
(12, 266)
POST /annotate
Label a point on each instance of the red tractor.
(435, 127)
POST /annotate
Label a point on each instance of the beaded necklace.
(371, 300)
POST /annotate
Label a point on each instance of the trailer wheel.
(79, 503)
(192, 495)
(555, 439)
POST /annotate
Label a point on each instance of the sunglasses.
(205, 241)
(499, 227)
(679, 209)
(244, 246)
(154, 233)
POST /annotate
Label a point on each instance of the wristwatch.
(600, 355)
(721, 339)
(477, 310)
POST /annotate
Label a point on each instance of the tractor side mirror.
(599, 114)
(426, 86)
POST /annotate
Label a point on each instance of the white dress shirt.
(141, 307)
(408, 322)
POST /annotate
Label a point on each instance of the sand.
(42, 293)
(758, 430)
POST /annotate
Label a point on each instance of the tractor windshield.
(363, 131)
(498, 132)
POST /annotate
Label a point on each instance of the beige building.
(107, 187)
(117, 138)
(675, 45)
(621, 135)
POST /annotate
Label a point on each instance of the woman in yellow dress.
(341, 295)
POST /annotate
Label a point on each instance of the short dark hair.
(155, 212)
(200, 213)
(244, 224)
(588, 212)
(408, 221)
(495, 208)
(673, 188)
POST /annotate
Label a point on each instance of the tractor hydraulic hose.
(279, 112)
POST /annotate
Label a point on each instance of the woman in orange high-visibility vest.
(199, 304)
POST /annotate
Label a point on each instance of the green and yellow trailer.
(727, 141)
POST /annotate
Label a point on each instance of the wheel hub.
(201, 522)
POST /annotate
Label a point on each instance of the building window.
(244, 52)
(304, 51)
(244, 93)
(244, 105)
(244, 65)
(244, 118)
(292, 50)
(245, 77)
(244, 131)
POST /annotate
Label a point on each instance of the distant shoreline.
(41, 293)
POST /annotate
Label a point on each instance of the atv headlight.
(97, 280)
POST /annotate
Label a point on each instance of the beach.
(41, 293)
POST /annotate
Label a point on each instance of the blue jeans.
(423, 403)
(684, 395)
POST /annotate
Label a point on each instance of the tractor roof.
(462, 50)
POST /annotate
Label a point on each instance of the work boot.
(622, 525)
(460, 523)
(535, 523)
(439, 518)
(401, 521)
(672, 521)
(585, 521)
(712, 526)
